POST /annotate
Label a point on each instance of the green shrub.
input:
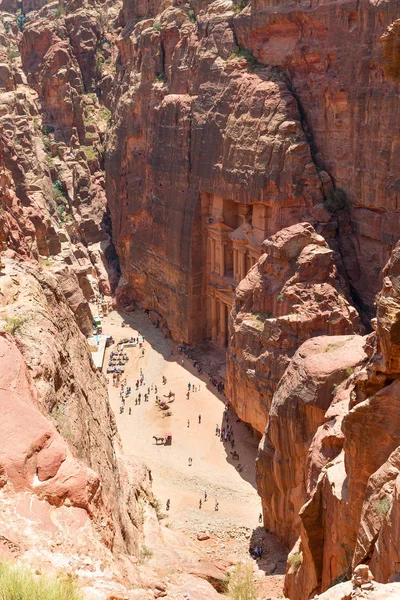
(60, 11)
(11, 54)
(105, 114)
(157, 507)
(337, 201)
(349, 371)
(383, 506)
(21, 18)
(239, 5)
(12, 326)
(332, 346)
(192, 16)
(161, 77)
(240, 583)
(145, 553)
(46, 262)
(90, 152)
(295, 560)
(46, 129)
(252, 63)
(156, 26)
(19, 583)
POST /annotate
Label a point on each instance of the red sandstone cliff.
(291, 294)
(328, 463)
(227, 125)
(250, 118)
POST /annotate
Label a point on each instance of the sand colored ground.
(236, 524)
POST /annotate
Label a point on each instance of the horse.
(158, 439)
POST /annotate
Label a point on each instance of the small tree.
(240, 585)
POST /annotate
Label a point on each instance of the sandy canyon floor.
(235, 526)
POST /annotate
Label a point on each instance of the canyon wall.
(291, 294)
(234, 121)
(332, 56)
(201, 144)
(327, 469)
(63, 477)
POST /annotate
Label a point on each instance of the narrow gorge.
(199, 299)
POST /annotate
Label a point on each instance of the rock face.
(219, 109)
(328, 464)
(336, 65)
(291, 294)
(66, 386)
(289, 460)
(179, 157)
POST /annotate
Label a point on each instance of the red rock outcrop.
(291, 294)
(328, 467)
(178, 150)
(293, 76)
(332, 57)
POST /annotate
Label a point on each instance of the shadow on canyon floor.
(212, 362)
(274, 554)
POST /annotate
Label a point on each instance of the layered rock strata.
(183, 166)
(333, 58)
(235, 120)
(328, 463)
(291, 294)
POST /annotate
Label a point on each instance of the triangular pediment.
(220, 228)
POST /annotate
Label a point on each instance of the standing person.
(199, 419)
(130, 410)
(190, 460)
(216, 505)
(260, 518)
(205, 496)
(200, 503)
(188, 422)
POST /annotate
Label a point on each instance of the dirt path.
(212, 469)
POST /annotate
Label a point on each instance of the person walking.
(200, 503)
(130, 410)
(199, 419)
(190, 460)
(260, 518)
(205, 496)
(216, 508)
(188, 422)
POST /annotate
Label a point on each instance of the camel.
(158, 439)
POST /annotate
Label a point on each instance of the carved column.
(242, 265)
(213, 318)
(222, 323)
(234, 264)
(212, 242)
(222, 259)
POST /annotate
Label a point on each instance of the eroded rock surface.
(291, 294)
(328, 463)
